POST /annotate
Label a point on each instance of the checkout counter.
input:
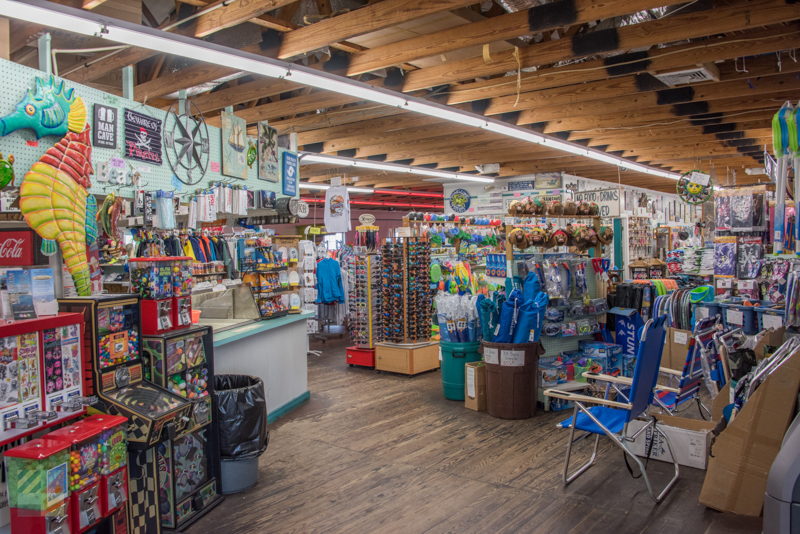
(275, 350)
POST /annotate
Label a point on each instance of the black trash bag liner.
(241, 409)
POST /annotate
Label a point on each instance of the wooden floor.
(382, 453)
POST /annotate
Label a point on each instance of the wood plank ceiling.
(581, 70)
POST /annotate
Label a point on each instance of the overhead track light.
(92, 24)
(309, 157)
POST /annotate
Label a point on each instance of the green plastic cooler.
(454, 357)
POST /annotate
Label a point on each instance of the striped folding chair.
(702, 365)
(611, 417)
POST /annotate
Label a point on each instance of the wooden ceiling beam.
(429, 131)
(665, 133)
(713, 49)
(491, 30)
(372, 17)
(239, 94)
(623, 87)
(203, 26)
(749, 107)
(383, 124)
(343, 116)
(291, 106)
(643, 101)
(738, 16)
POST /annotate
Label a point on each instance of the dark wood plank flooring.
(385, 453)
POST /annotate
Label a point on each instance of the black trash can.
(241, 410)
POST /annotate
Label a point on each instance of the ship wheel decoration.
(186, 142)
(695, 187)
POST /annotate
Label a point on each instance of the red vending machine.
(38, 487)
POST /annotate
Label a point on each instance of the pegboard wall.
(16, 79)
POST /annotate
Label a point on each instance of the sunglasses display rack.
(363, 299)
(406, 298)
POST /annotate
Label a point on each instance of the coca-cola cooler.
(21, 248)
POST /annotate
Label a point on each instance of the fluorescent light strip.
(76, 20)
(324, 187)
(380, 203)
(309, 157)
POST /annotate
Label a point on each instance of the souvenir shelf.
(406, 296)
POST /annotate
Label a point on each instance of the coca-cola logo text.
(16, 247)
(11, 249)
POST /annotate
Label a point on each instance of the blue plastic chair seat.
(613, 419)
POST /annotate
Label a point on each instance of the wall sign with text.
(142, 137)
(104, 133)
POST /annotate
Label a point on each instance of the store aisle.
(381, 453)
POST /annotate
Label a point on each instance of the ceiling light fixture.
(310, 158)
(324, 187)
(92, 24)
(380, 203)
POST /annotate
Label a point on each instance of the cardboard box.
(407, 359)
(475, 386)
(676, 347)
(742, 454)
(689, 439)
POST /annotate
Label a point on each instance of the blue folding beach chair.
(610, 417)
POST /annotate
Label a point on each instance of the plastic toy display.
(38, 487)
(113, 340)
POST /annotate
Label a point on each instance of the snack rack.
(364, 282)
(406, 298)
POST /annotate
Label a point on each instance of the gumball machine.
(182, 283)
(113, 460)
(38, 487)
(152, 279)
(85, 453)
(182, 362)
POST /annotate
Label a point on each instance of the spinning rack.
(405, 276)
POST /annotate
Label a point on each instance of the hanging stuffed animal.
(538, 207)
(555, 208)
(605, 235)
(537, 237)
(583, 208)
(558, 238)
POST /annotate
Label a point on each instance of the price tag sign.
(772, 321)
(491, 355)
(315, 230)
(736, 317)
(512, 358)
(746, 284)
(724, 283)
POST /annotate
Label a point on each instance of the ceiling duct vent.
(703, 73)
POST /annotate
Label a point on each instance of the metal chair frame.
(622, 439)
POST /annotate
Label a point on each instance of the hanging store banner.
(142, 137)
(290, 171)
